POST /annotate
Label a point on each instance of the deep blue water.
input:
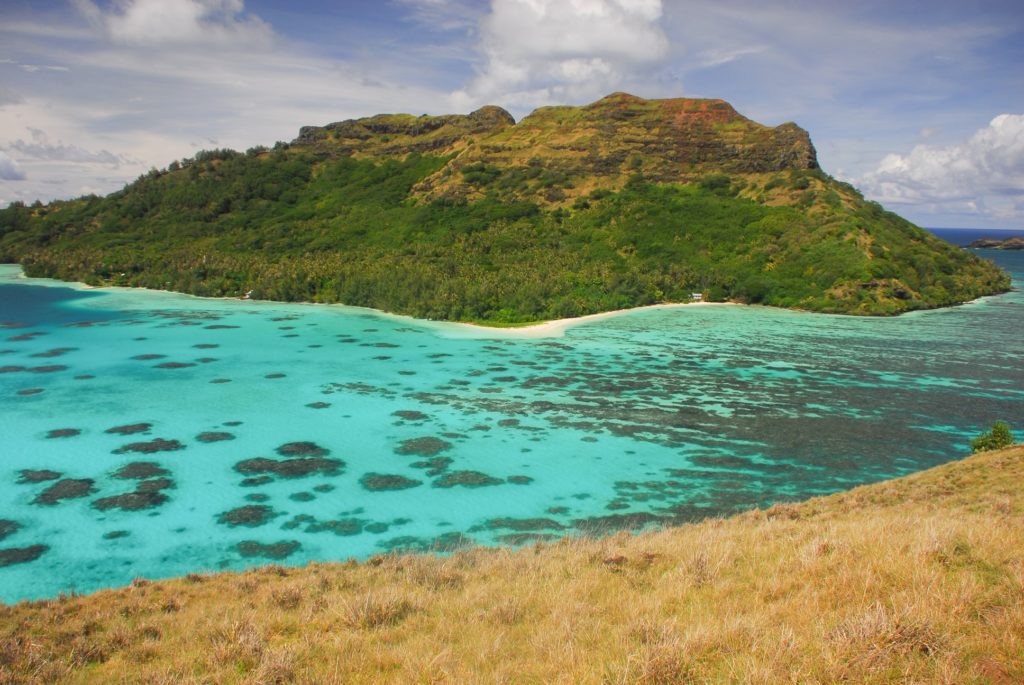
(155, 434)
(965, 236)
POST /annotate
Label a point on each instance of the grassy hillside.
(571, 211)
(914, 580)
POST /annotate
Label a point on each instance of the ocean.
(151, 434)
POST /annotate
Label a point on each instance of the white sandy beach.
(557, 327)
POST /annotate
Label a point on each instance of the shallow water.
(270, 431)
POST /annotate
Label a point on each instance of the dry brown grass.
(919, 580)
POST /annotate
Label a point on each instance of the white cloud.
(9, 169)
(541, 51)
(42, 149)
(148, 77)
(444, 15)
(178, 22)
(32, 68)
(983, 174)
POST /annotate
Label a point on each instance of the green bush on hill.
(996, 438)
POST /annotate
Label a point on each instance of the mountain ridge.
(614, 138)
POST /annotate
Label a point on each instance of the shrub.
(995, 439)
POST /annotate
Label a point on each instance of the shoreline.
(555, 328)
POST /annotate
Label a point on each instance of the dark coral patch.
(130, 429)
(11, 369)
(384, 481)
(302, 497)
(601, 525)
(466, 479)
(300, 467)
(115, 534)
(342, 527)
(435, 466)
(318, 405)
(140, 470)
(297, 521)
(221, 380)
(519, 525)
(205, 346)
(215, 436)
(48, 369)
(232, 423)
(69, 488)
(151, 446)
(174, 365)
(449, 542)
(25, 336)
(250, 515)
(275, 375)
(302, 449)
(425, 447)
(520, 480)
(410, 415)
(84, 377)
(256, 481)
(217, 326)
(40, 476)
(257, 497)
(55, 352)
(29, 391)
(131, 501)
(155, 485)
(324, 487)
(8, 528)
(271, 550)
(21, 555)
(148, 357)
(63, 433)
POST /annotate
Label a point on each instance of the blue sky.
(920, 104)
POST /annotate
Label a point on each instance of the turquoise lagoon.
(156, 434)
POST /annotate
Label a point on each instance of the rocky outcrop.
(400, 134)
(602, 144)
(1014, 243)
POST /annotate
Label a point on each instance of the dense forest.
(516, 241)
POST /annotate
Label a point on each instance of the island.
(1014, 243)
(571, 211)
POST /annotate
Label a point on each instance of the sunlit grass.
(914, 580)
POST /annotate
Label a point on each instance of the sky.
(920, 104)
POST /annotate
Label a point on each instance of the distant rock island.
(571, 211)
(1014, 243)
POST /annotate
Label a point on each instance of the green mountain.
(571, 211)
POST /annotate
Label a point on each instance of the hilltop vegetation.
(572, 211)
(913, 580)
